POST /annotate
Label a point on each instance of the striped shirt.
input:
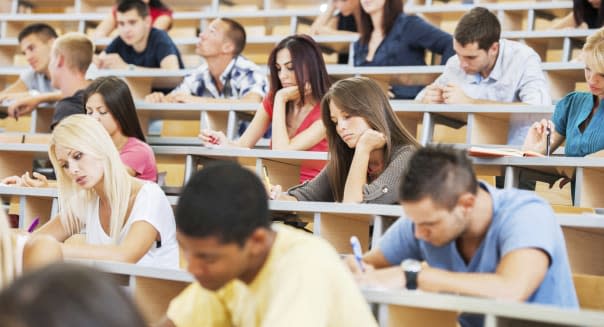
(240, 77)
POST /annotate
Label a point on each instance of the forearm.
(476, 284)
(97, 252)
(280, 139)
(357, 176)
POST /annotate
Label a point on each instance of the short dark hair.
(236, 34)
(67, 295)
(478, 25)
(126, 5)
(223, 200)
(118, 99)
(43, 31)
(439, 172)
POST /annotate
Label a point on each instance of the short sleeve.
(399, 242)
(254, 81)
(384, 189)
(197, 307)
(560, 117)
(164, 46)
(153, 207)
(530, 224)
(139, 157)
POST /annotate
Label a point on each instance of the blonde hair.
(85, 134)
(8, 268)
(77, 49)
(593, 50)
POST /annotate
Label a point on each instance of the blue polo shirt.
(520, 220)
(570, 112)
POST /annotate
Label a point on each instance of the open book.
(481, 152)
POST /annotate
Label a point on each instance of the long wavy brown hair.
(359, 96)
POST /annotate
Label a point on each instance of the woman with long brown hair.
(368, 147)
(298, 81)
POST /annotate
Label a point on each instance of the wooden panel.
(338, 228)
(154, 295)
(582, 245)
(174, 166)
(487, 130)
(591, 190)
(411, 317)
(590, 291)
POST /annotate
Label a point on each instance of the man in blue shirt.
(472, 238)
(139, 45)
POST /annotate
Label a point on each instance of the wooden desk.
(153, 289)
(417, 308)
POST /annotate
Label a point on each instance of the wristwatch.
(411, 268)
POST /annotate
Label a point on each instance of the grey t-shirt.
(36, 81)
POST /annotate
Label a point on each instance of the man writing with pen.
(250, 272)
(463, 236)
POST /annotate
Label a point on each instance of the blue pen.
(356, 251)
(34, 224)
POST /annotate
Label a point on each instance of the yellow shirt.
(302, 283)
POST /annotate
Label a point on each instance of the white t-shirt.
(151, 206)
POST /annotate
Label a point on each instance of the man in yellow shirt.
(252, 273)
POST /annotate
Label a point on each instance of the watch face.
(411, 265)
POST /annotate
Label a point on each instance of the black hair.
(439, 172)
(236, 34)
(223, 200)
(583, 11)
(67, 295)
(43, 31)
(478, 25)
(126, 5)
(118, 99)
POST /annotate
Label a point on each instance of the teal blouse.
(570, 112)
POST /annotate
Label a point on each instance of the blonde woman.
(126, 219)
(578, 117)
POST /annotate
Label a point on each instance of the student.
(585, 14)
(578, 117)
(126, 219)
(161, 18)
(33, 86)
(341, 17)
(249, 272)
(225, 74)
(19, 253)
(70, 57)
(368, 147)
(471, 238)
(67, 295)
(391, 38)
(490, 70)
(298, 80)
(108, 100)
(139, 45)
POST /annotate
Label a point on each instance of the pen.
(548, 134)
(356, 251)
(266, 179)
(34, 224)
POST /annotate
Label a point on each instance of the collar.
(228, 71)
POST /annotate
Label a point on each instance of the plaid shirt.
(240, 77)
